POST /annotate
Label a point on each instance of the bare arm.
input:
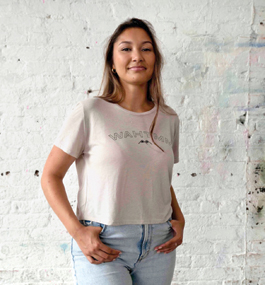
(87, 238)
(56, 166)
(177, 214)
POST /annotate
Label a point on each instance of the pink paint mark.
(43, 1)
(96, 42)
(222, 169)
(40, 127)
(206, 166)
(27, 107)
(26, 170)
(254, 59)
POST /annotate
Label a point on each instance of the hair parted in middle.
(112, 87)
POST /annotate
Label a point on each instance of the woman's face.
(134, 48)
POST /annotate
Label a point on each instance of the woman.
(126, 203)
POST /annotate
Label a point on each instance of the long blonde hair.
(110, 81)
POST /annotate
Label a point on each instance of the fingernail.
(160, 247)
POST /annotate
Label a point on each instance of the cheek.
(153, 60)
(121, 62)
(153, 65)
(116, 59)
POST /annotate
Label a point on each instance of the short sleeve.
(175, 144)
(71, 138)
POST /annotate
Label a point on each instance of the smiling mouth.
(137, 68)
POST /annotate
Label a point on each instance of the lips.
(137, 68)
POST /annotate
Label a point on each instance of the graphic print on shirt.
(126, 134)
(141, 145)
(146, 141)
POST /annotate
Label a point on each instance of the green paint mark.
(64, 247)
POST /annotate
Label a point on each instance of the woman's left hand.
(173, 243)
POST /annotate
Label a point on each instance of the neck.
(136, 98)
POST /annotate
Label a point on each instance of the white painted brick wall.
(213, 77)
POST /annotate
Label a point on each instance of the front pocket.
(87, 222)
(103, 228)
(168, 222)
(94, 224)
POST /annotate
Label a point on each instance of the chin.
(138, 82)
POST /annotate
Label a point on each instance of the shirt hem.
(130, 222)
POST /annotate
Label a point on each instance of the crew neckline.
(131, 112)
(136, 113)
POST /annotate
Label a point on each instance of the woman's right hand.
(92, 247)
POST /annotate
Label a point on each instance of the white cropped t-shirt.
(124, 178)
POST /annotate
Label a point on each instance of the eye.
(145, 49)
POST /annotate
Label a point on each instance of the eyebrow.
(127, 42)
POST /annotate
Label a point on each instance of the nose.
(137, 55)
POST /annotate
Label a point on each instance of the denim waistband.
(90, 222)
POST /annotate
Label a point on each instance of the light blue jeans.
(139, 263)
